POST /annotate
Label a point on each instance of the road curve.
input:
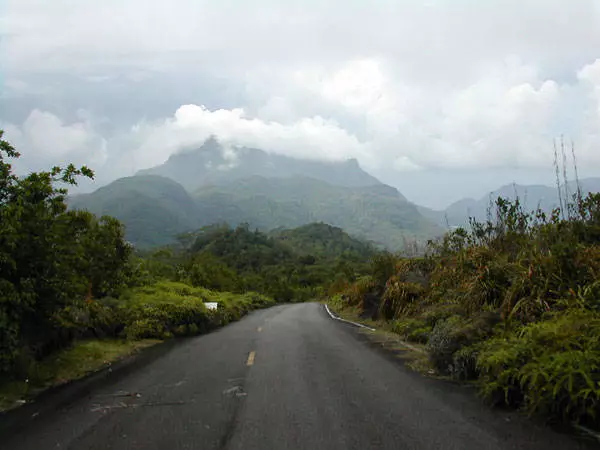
(288, 377)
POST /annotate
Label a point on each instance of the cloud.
(507, 119)
(191, 125)
(44, 140)
(404, 87)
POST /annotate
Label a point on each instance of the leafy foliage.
(550, 367)
(50, 258)
(284, 266)
(167, 309)
(153, 208)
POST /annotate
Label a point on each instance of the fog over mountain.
(441, 99)
(213, 163)
(531, 197)
(217, 184)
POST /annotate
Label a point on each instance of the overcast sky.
(442, 99)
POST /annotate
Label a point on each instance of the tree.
(49, 257)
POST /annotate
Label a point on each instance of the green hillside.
(289, 265)
(375, 213)
(531, 197)
(154, 209)
(324, 241)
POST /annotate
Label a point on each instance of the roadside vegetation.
(74, 294)
(69, 363)
(512, 304)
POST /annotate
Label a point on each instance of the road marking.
(404, 343)
(347, 321)
(238, 391)
(251, 358)
(259, 329)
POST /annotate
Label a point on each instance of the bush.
(383, 266)
(146, 328)
(455, 333)
(551, 367)
(355, 293)
(415, 330)
(398, 298)
(167, 309)
(440, 311)
(50, 258)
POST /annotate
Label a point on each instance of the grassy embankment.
(512, 305)
(142, 317)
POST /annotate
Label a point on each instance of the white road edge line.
(347, 321)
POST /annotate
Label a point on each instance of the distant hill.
(153, 208)
(243, 248)
(213, 164)
(156, 209)
(323, 241)
(531, 197)
(379, 213)
(219, 185)
(290, 265)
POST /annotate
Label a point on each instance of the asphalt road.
(288, 377)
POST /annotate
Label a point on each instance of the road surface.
(289, 377)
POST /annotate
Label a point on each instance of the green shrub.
(169, 308)
(453, 334)
(355, 293)
(440, 311)
(464, 363)
(415, 330)
(398, 298)
(146, 328)
(551, 367)
(383, 266)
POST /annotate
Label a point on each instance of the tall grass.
(513, 302)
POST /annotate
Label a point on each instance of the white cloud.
(191, 125)
(44, 140)
(402, 86)
(507, 119)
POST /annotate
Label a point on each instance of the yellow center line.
(251, 358)
(259, 329)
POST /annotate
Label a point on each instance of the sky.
(443, 99)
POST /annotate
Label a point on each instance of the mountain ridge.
(155, 209)
(532, 197)
(215, 164)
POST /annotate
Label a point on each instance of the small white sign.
(211, 305)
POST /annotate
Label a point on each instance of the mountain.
(531, 197)
(215, 184)
(154, 209)
(214, 164)
(379, 213)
